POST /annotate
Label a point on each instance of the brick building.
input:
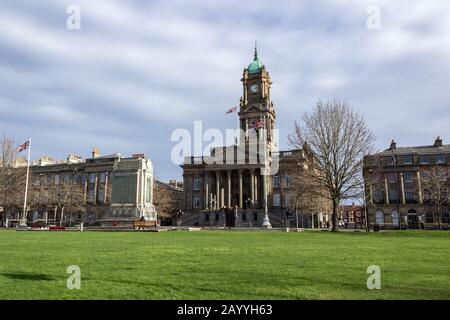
(407, 187)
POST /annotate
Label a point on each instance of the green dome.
(256, 65)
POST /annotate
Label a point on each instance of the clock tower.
(256, 105)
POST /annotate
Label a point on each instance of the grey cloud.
(138, 70)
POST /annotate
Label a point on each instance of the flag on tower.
(256, 125)
(232, 110)
(24, 146)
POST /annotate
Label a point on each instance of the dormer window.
(407, 159)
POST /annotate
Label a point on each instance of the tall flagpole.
(23, 223)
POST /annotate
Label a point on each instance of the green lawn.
(224, 265)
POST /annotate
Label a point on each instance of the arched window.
(429, 217)
(395, 218)
(379, 217)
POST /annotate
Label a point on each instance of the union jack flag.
(24, 146)
(234, 109)
(256, 125)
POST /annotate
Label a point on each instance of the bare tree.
(305, 191)
(167, 199)
(435, 188)
(7, 172)
(65, 195)
(12, 177)
(62, 195)
(338, 139)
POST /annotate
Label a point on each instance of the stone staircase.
(189, 219)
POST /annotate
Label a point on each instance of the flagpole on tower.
(23, 222)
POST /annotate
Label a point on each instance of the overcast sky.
(137, 70)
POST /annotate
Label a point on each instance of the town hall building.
(247, 184)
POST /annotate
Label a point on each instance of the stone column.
(105, 199)
(402, 188)
(217, 190)
(252, 186)
(246, 128)
(419, 186)
(241, 204)
(185, 187)
(222, 198)
(96, 191)
(229, 189)
(206, 180)
(386, 190)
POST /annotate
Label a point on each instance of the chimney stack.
(73, 158)
(95, 153)
(393, 145)
(138, 155)
(438, 142)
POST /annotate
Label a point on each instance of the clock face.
(254, 88)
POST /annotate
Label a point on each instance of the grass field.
(224, 265)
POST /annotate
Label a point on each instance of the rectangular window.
(440, 158)
(101, 194)
(244, 216)
(276, 200)
(206, 216)
(196, 183)
(91, 188)
(392, 177)
(90, 195)
(407, 159)
(66, 178)
(196, 202)
(424, 159)
(288, 200)
(57, 179)
(390, 161)
(255, 216)
(276, 181)
(378, 195)
(287, 180)
(409, 195)
(393, 195)
(424, 175)
(102, 177)
(101, 187)
(408, 176)
(217, 216)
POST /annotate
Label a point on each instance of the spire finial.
(256, 51)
